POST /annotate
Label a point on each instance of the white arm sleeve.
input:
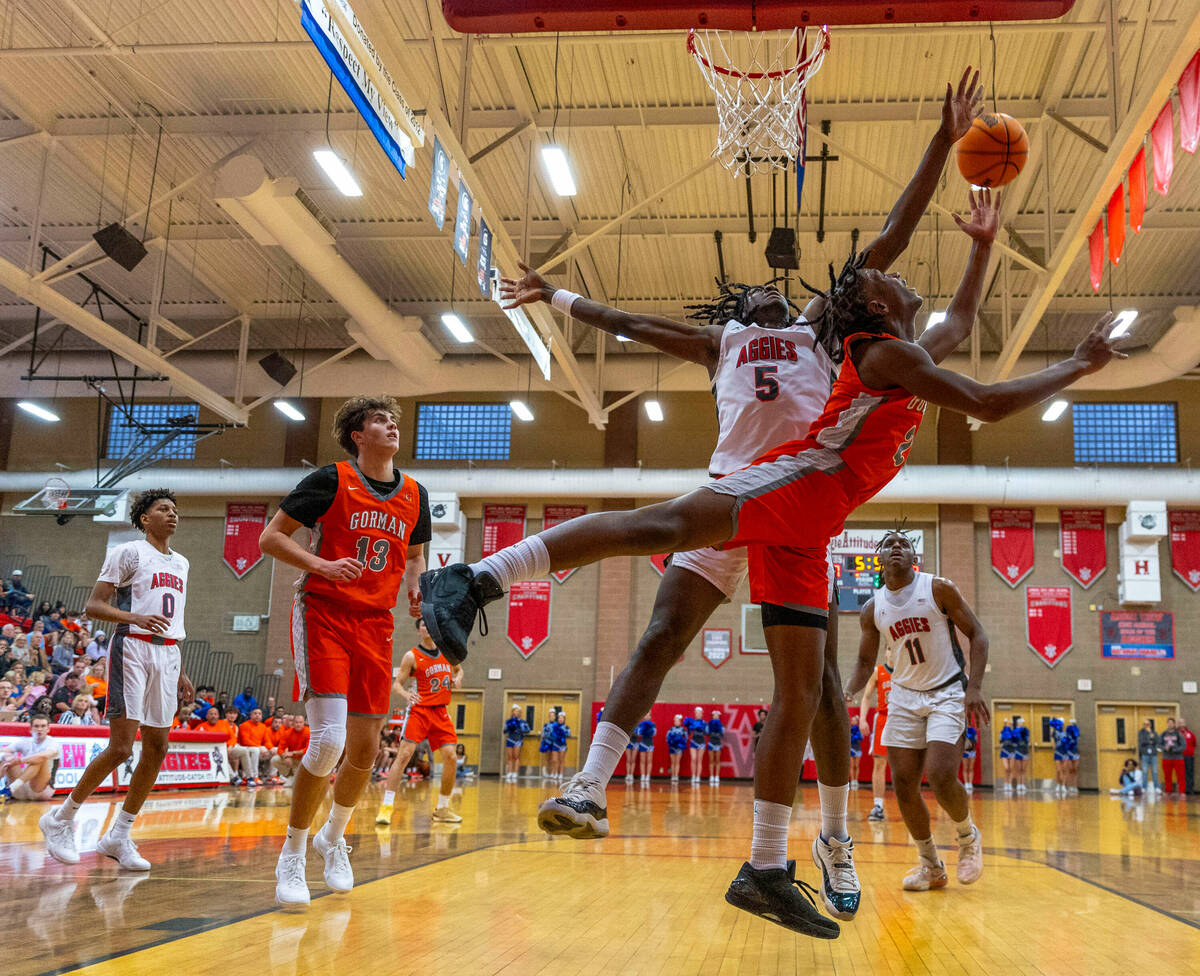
(119, 565)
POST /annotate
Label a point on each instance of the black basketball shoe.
(776, 895)
(450, 599)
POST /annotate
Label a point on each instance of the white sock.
(879, 801)
(606, 750)
(928, 851)
(389, 797)
(297, 840)
(965, 828)
(768, 845)
(339, 818)
(833, 810)
(526, 560)
(120, 827)
(443, 801)
(68, 808)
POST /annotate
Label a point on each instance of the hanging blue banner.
(483, 269)
(462, 222)
(439, 183)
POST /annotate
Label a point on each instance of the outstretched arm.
(696, 344)
(959, 108)
(951, 603)
(884, 365)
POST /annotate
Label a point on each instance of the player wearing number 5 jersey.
(368, 523)
(914, 615)
(145, 679)
(426, 717)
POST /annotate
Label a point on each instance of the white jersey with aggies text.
(770, 385)
(148, 582)
(921, 638)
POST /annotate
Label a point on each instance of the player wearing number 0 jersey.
(914, 616)
(145, 679)
(368, 525)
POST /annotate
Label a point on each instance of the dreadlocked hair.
(900, 530)
(845, 309)
(730, 303)
(142, 502)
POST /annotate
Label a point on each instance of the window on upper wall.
(125, 424)
(1126, 433)
(463, 431)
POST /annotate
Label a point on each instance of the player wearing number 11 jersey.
(369, 523)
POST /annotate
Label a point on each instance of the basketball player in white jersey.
(914, 615)
(145, 677)
(770, 381)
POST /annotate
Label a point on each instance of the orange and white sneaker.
(970, 857)
(926, 876)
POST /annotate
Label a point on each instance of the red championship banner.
(1012, 543)
(1184, 526)
(503, 526)
(555, 515)
(1081, 543)
(660, 562)
(529, 615)
(1048, 621)
(244, 523)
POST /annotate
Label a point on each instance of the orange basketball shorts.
(342, 652)
(877, 746)
(430, 722)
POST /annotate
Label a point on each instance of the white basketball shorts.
(143, 681)
(725, 569)
(916, 718)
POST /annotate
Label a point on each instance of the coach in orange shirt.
(214, 723)
(255, 735)
(290, 747)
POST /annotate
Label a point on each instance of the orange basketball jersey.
(433, 673)
(883, 687)
(371, 528)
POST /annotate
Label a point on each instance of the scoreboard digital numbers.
(857, 565)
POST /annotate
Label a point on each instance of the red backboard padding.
(536, 16)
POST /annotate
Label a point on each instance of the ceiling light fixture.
(935, 318)
(40, 412)
(457, 327)
(520, 410)
(654, 411)
(554, 158)
(288, 410)
(1124, 320)
(339, 174)
(1056, 409)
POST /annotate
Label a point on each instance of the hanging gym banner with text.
(1048, 622)
(553, 515)
(503, 526)
(1184, 527)
(1012, 543)
(1081, 544)
(244, 523)
(529, 616)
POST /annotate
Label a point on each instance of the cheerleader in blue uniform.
(644, 734)
(560, 733)
(970, 751)
(856, 741)
(515, 730)
(677, 738)
(716, 741)
(1007, 751)
(1071, 732)
(1058, 734)
(546, 747)
(1021, 746)
(697, 740)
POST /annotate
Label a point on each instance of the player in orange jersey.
(369, 524)
(785, 507)
(425, 717)
(880, 685)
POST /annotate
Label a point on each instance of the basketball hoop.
(55, 494)
(761, 107)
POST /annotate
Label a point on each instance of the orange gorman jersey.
(433, 673)
(872, 431)
(255, 734)
(372, 529)
(883, 687)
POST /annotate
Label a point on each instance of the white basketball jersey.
(770, 385)
(149, 582)
(921, 638)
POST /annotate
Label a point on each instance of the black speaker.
(278, 368)
(120, 245)
(781, 249)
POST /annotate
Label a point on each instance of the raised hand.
(1096, 350)
(985, 216)
(961, 105)
(529, 288)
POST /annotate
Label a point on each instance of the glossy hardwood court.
(1081, 886)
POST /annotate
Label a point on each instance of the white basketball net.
(56, 493)
(760, 103)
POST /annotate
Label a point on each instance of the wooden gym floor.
(1088, 885)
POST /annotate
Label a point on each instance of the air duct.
(271, 212)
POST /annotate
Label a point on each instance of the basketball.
(994, 150)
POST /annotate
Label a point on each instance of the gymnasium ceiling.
(85, 85)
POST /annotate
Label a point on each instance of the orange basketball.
(993, 151)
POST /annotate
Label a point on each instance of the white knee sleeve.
(327, 727)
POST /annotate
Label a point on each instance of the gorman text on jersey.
(373, 519)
